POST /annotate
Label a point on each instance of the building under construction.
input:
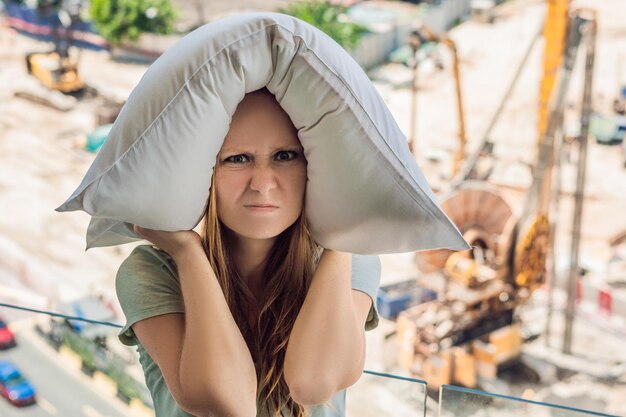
(465, 333)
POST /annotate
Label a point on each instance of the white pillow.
(365, 193)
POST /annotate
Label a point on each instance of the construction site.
(516, 116)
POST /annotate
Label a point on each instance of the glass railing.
(75, 377)
(381, 394)
(464, 402)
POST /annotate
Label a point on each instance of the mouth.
(261, 207)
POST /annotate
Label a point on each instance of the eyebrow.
(238, 150)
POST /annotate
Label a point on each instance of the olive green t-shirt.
(147, 285)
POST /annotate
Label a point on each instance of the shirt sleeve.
(366, 278)
(147, 286)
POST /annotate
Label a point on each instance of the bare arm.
(202, 354)
(326, 349)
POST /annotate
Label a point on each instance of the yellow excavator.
(56, 69)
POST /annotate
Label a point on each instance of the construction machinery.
(471, 330)
(57, 69)
(421, 38)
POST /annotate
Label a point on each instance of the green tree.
(327, 18)
(122, 20)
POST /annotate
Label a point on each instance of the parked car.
(14, 387)
(7, 338)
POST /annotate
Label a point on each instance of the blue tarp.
(31, 22)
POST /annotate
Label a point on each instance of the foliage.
(328, 18)
(127, 385)
(109, 364)
(82, 348)
(122, 20)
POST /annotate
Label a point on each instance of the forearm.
(327, 344)
(215, 360)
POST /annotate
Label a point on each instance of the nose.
(263, 178)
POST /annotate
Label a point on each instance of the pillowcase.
(365, 193)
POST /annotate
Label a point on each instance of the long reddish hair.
(288, 272)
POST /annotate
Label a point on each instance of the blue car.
(14, 387)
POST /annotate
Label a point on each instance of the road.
(59, 393)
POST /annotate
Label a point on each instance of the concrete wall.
(440, 18)
(374, 48)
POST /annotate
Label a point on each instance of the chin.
(261, 234)
(256, 232)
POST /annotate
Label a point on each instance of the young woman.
(250, 317)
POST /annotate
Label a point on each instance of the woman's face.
(261, 170)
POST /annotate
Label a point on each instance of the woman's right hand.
(173, 243)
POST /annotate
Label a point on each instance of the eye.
(286, 155)
(237, 159)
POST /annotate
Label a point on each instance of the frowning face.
(260, 171)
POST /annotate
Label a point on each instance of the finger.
(138, 230)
